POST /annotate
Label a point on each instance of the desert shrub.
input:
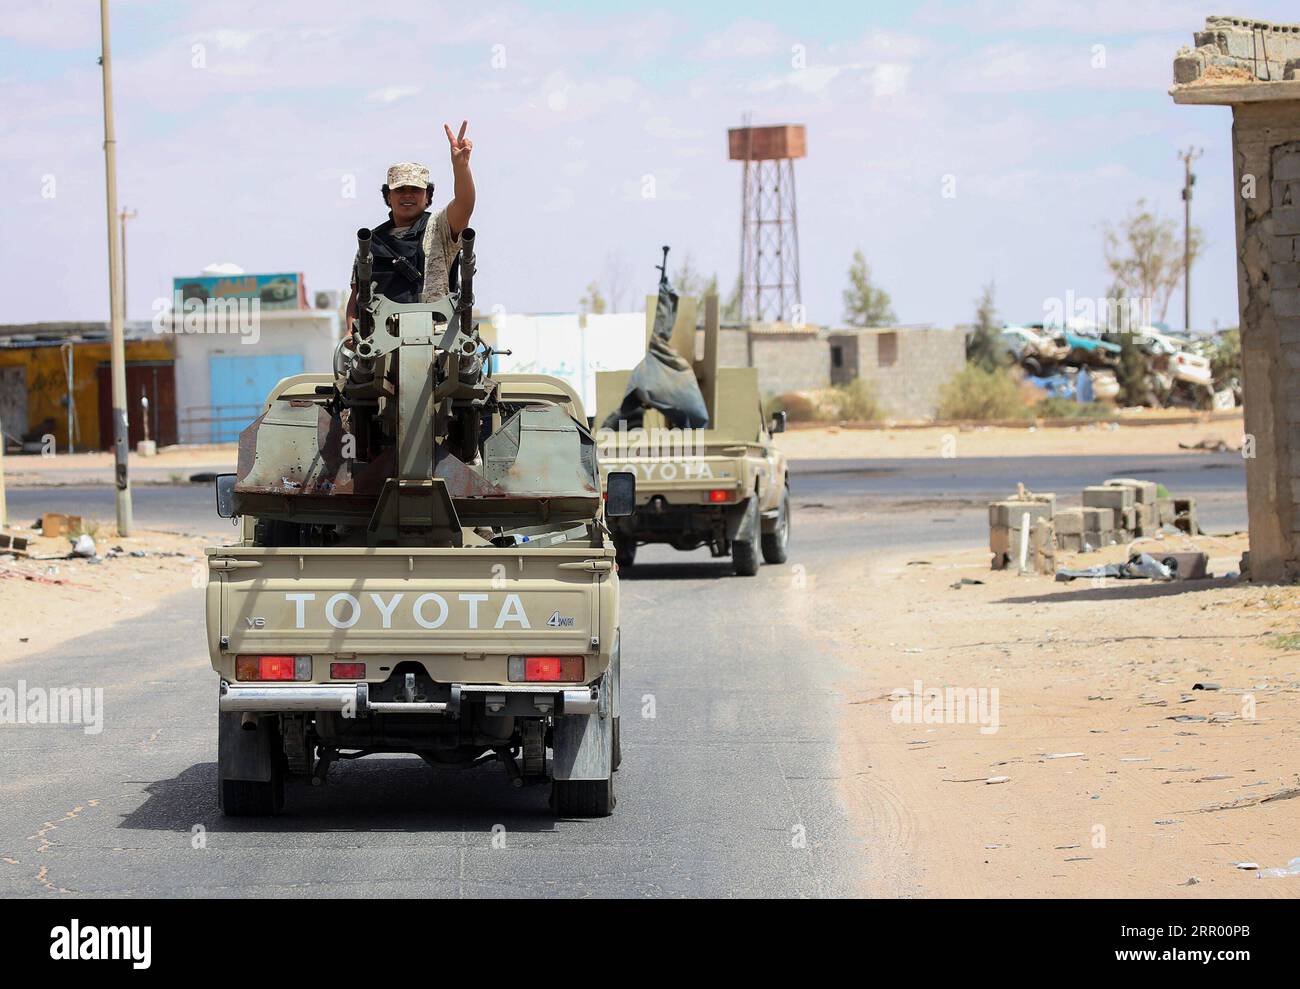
(1056, 407)
(976, 393)
(854, 402)
(797, 407)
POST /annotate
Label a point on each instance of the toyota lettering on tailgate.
(428, 610)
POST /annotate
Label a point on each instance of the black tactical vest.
(399, 260)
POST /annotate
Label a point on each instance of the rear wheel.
(249, 798)
(583, 798)
(744, 553)
(617, 756)
(775, 543)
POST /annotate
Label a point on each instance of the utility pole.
(1189, 180)
(118, 351)
(126, 214)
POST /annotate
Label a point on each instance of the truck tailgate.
(398, 601)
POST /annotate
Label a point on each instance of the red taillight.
(347, 671)
(552, 668)
(264, 667)
(718, 496)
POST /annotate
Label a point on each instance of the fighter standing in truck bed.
(413, 250)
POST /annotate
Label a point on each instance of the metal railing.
(215, 423)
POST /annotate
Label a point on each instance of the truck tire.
(776, 542)
(246, 798)
(744, 553)
(583, 798)
(617, 756)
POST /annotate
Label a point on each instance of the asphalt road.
(729, 781)
(960, 486)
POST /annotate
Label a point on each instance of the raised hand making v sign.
(413, 250)
(461, 207)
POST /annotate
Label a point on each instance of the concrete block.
(1070, 542)
(1098, 540)
(1285, 274)
(1146, 521)
(1186, 566)
(1286, 167)
(1144, 492)
(1288, 330)
(1286, 301)
(1185, 516)
(1165, 511)
(1010, 513)
(1127, 520)
(1097, 519)
(1104, 496)
(1069, 521)
(1286, 221)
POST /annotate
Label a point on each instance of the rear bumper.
(353, 700)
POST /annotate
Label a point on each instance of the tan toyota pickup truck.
(463, 655)
(725, 487)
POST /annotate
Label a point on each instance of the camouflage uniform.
(440, 245)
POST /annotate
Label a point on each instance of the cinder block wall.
(1266, 145)
(791, 362)
(927, 358)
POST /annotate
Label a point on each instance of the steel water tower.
(769, 220)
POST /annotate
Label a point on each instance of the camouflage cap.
(407, 173)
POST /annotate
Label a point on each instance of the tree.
(1145, 256)
(864, 304)
(687, 280)
(1133, 371)
(593, 302)
(618, 280)
(730, 310)
(982, 346)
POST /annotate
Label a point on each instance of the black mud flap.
(246, 755)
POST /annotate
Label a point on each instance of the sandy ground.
(1117, 438)
(48, 600)
(1115, 776)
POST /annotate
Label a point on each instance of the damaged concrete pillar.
(1254, 67)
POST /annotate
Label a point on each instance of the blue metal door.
(240, 386)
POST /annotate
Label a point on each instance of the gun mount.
(414, 440)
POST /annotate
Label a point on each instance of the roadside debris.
(84, 546)
(56, 524)
(1292, 869)
(17, 545)
(1138, 567)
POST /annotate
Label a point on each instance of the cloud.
(391, 94)
(744, 38)
(1090, 17)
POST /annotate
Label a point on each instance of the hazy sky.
(258, 133)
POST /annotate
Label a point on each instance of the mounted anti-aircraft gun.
(425, 566)
(413, 440)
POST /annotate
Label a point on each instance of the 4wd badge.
(558, 620)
